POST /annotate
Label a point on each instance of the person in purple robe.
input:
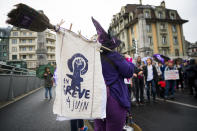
(115, 68)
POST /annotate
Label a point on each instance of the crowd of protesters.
(149, 79)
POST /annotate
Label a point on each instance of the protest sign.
(171, 75)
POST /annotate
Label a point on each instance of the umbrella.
(41, 69)
(158, 58)
(178, 59)
(145, 59)
(165, 58)
(26, 17)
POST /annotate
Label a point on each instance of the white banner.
(171, 75)
(81, 91)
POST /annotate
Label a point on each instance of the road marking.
(179, 103)
(19, 98)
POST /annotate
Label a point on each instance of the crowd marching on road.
(149, 75)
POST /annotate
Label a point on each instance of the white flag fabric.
(81, 90)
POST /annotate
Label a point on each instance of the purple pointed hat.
(104, 38)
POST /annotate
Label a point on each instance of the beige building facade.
(23, 46)
(155, 29)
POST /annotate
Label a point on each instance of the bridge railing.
(17, 81)
(8, 69)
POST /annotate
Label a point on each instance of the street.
(167, 116)
(33, 113)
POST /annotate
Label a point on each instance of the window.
(1, 34)
(172, 16)
(150, 40)
(23, 48)
(147, 14)
(2, 40)
(14, 41)
(30, 48)
(15, 33)
(24, 56)
(14, 57)
(4, 54)
(23, 41)
(30, 41)
(30, 56)
(176, 52)
(30, 33)
(162, 26)
(175, 40)
(123, 35)
(148, 28)
(164, 52)
(14, 49)
(160, 15)
(24, 33)
(174, 28)
(132, 31)
(4, 47)
(130, 18)
(163, 39)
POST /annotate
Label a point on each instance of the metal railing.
(8, 69)
(16, 81)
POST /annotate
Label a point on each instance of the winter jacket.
(155, 74)
(115, 68)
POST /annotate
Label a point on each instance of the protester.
(159, 72)
(185, 65)
(138, 79)
(150, 73)
(179, 82)
(128, 81)
(163, 67)
(48, 78)
(191, 72)
(170, 84)
(162, 86)
(78, 124)
(159, 69)
(115, 68)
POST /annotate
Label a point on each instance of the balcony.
(163, 30)
(27, 52)
(51, 52)
(50, 45)
(27, 44)
(51, 37)
(28, 36)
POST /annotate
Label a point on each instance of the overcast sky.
(79, 12)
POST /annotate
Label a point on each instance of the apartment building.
(155, 29)
(23, 45)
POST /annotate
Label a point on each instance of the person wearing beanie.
(170, 84)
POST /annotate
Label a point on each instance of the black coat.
(155, 74)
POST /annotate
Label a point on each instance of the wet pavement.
(33, 113)
(167, 116)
